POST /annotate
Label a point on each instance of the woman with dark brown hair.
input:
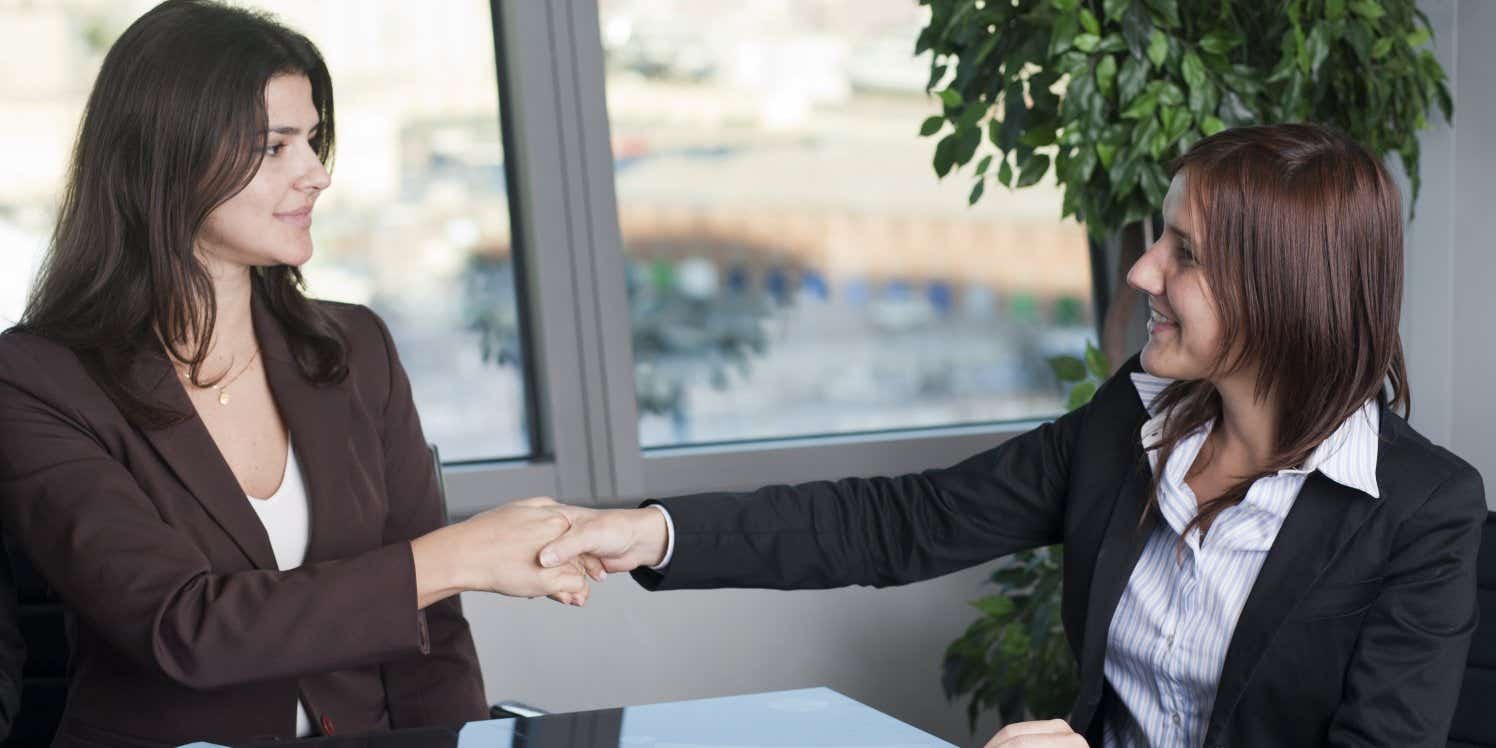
(1258, 549)
(226, 482)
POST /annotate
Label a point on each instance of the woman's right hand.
(497, 551)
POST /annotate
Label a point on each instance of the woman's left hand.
(1049, 733)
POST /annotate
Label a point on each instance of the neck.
(1248, 429)
(233, 337)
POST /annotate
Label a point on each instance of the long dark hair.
(1300, 231)
(175, 126)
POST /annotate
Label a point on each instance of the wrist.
(439, 572)
(652, 535)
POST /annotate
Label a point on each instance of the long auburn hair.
(1300, 230)
(174, 126)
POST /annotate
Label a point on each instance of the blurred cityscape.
(794, 266)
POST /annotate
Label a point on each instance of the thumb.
(572, 543)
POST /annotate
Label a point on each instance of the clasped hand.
(538, 547)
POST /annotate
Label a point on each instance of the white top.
(1169, 634)
(287, 521)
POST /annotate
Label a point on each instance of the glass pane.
(415, 224)
(794, 265)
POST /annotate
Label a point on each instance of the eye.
(1185, 255)
(274, 150)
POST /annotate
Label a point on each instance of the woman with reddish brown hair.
(1258, 549)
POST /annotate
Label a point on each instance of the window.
(416, 223)
(731, 236)
(794, 266)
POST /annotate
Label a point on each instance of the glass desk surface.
(781, 719)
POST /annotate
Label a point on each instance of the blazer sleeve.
(144, 586)
(443, 686)
(1405, 673)
(879, 531)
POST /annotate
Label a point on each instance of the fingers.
(566, 548)
(594, 568)
(1049, 732)
(537, 501)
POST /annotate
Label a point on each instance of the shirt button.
(1175, 718)
(1169, 642)
(327, 728)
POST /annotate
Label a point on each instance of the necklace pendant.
(223, 397)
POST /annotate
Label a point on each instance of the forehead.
(1176, 210)
(288, 101)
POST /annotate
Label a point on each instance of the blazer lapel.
(318, 419)
(1120, 549)
(1324, 517)
(193, 456)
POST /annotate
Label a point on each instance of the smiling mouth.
(1158, 318)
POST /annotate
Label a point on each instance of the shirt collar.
(1348, 456)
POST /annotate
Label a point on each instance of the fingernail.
(602, 574)
(548, 558)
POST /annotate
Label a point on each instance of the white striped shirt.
(1169, 635)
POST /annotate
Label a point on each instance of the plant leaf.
(994, 606)
(1158, 47)
(1106, 75)
(951, 98)
(1218, 44)
(1096, 362)
(1089, 23)
(1081, 394)
(1032, 169)
(1368, 9)
(1193, 70)
(1131, 78)
(931, 125)
(1067, 368)
(1169, 9)
(976, 192)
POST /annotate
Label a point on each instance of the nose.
(314, 176)
(1147, 274)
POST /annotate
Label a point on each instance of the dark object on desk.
(33, 655)
(1474, 720)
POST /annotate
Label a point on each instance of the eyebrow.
(289, 130)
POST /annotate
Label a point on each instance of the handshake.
(537, 547)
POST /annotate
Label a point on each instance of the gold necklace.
(222, 388)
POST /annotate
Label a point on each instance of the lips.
(301, 218)
(1159, 321)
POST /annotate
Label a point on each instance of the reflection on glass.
(794, 265)
(416, 224)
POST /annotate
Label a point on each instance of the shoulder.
(1418, 476)
(372, 359)
(28, 359)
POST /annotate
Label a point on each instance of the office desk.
(805, 717)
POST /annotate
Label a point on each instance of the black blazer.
(1355, 632)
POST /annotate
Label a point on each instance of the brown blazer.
(182, 628)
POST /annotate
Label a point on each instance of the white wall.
(1449, 315)
(883, 647)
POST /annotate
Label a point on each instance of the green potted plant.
(1100, 95)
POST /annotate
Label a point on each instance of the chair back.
(44, 674)
(1474, 718)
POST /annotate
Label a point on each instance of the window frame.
(579, 357)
